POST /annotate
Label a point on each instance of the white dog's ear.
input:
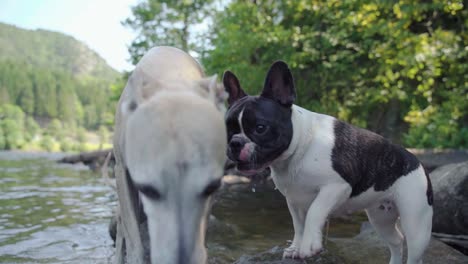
(136, 92)
(215, 90)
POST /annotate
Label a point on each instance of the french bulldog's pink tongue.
(244, 154)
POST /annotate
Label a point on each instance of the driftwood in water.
(93, 159)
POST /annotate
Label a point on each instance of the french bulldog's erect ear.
(279, 84)
(233, 88)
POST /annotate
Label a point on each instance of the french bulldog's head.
(259, 127)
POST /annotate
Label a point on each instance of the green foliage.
(2, 140)
(47, 143)
(104, 135)
(396, 67)
(66, 145)
(31, 129)
(13, 134)
(166, 22)
(374, 64)
(52, 78)
(55, 130)
(81, 135)
(56, 79)
(56, 95)
(12, 127)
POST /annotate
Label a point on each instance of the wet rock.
(450, 185)
(274, 256)
(368, 248)
(365, 248)
(217, 228)
(434, 158)
(450, 222)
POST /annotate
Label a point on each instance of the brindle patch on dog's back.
(365, 159)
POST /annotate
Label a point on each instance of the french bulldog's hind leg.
(415, 214)
(384, 218)
(330, 196)
(298, 217)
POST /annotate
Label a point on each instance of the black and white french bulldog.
(324, 167)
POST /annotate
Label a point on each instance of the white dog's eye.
(149, 191)
(211, 188)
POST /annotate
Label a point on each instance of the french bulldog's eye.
(211, 188)
(261, 129)
(149, 191)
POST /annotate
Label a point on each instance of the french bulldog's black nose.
(236, 144)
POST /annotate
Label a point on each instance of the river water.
(57, 213)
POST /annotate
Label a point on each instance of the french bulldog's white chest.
(294, 188)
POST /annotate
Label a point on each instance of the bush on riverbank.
(22, 132)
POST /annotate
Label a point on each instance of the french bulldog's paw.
(307, 252)
(291, 252)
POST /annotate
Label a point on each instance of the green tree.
(381, 65)
(375, 64)
(2, 139)
(103, 134)
(13, 134)
(55, 130)
(166, 22)
(53, 76)
(47, 143)
(81, 138)
(12, 126)
(26, 99)
(31, 128)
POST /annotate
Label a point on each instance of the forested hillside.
(54, 80)
(52, 50)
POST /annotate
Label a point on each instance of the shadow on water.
(51, 213)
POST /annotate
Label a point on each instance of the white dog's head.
(175, 147)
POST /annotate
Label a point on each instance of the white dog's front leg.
(329, 197)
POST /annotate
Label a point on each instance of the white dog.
(325, 166)
(169, 144)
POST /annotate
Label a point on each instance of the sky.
(94, 22)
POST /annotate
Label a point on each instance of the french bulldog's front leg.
(298, 215)
(329, 197)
